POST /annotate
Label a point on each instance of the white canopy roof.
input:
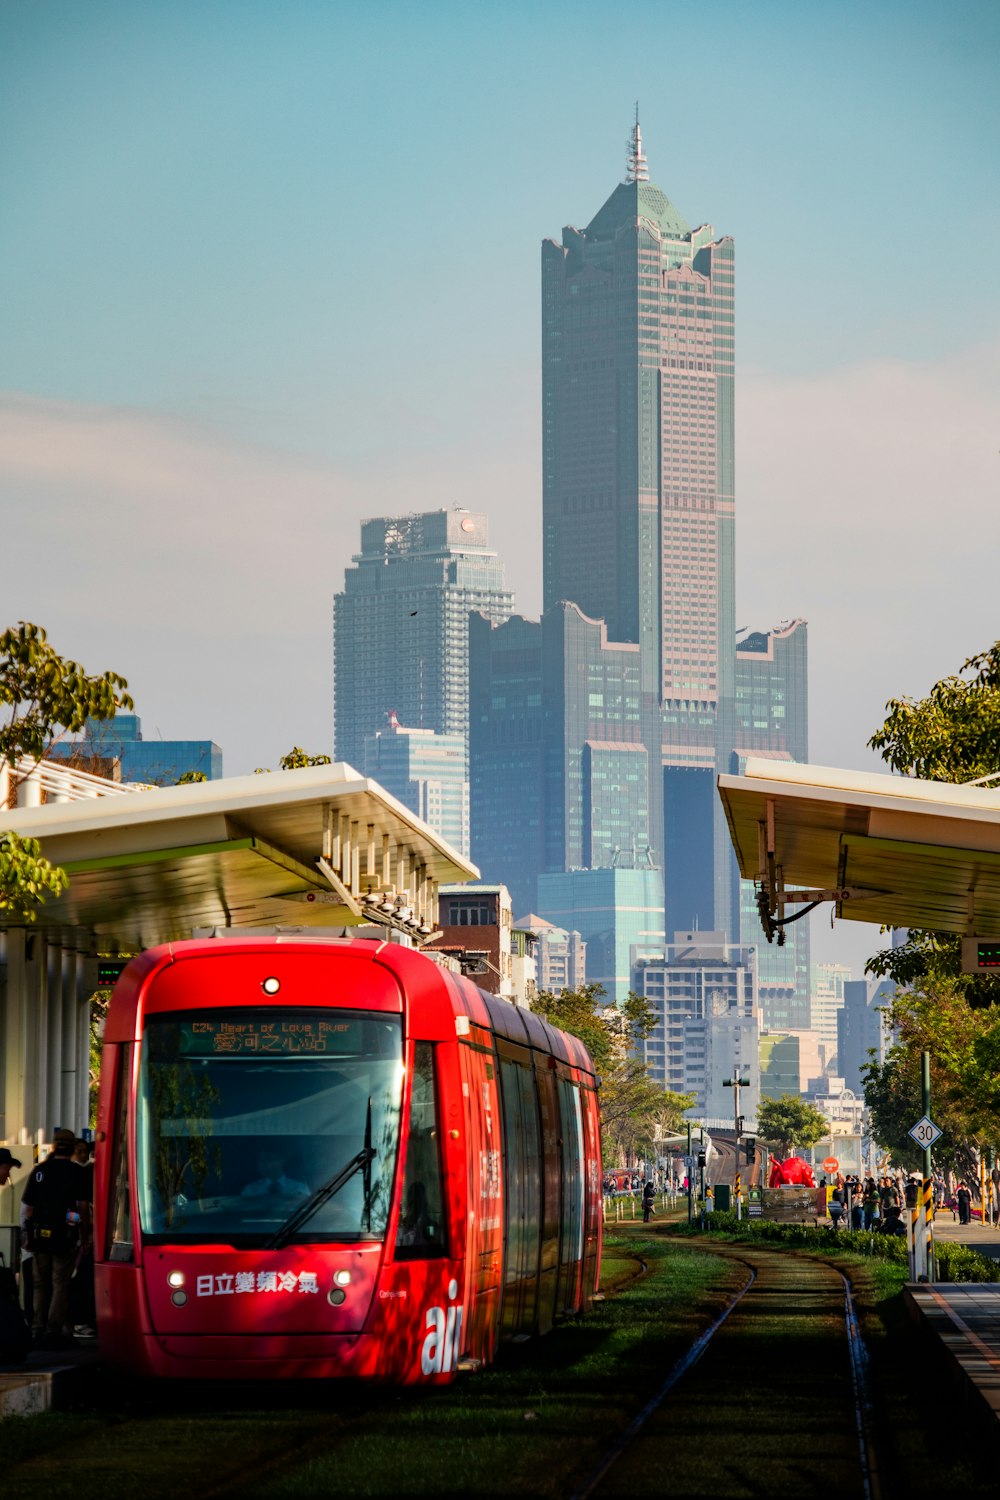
(921, 853)
(242, 852)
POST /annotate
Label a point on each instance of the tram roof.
(921, 853)
(154, 865)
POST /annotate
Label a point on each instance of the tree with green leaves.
(963, 1044)
(789, 1122)
(42, 695)
(295, 760)
(953, 734)
(635, 1111)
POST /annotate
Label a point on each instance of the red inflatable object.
(794, 1172)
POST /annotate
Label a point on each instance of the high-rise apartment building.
(703, 991)
(426, 772)
(401, 624)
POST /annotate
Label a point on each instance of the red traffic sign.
(831, 1164)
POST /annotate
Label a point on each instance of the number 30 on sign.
(925, 1132)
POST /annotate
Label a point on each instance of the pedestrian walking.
(648, 1211)
(56, 1224)
(835, 1207)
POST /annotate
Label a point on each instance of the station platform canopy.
(317, 846)
(887, 849)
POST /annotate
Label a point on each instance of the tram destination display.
(286, 1033)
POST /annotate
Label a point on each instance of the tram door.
(484, 1245)
(522, 1189)
(548, 1267)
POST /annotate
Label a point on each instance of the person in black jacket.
(57, 1217)
(648, 1194)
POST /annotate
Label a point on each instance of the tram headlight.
(336, 1295)
(176, 1278)
(341, 1278)
(270, 986)
(179, 1299)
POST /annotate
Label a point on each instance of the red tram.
(333, 1157)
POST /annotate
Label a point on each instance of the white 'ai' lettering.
(443, 1341)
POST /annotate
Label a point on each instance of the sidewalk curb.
(30, 1392)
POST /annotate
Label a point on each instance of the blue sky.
(272, 266)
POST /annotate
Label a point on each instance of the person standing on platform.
(56, 1215)
(648, 1194)
(964, 1200)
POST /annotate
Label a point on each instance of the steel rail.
(685, 1363)
(858, 1357)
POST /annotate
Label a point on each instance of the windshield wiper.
(323, 1195)
(368, 1166)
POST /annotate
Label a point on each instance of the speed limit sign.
(925, 1132)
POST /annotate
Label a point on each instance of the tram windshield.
(244, 1116)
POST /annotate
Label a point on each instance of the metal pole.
(927, 1195)
(690, 1172)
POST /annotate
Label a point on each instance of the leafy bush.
(954, 1262)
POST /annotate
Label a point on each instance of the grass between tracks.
(534, 1424)
(929, 1440)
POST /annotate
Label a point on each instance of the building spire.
(638, 171)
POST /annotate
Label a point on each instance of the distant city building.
(476, 924)
(812, 1056)
(772, 720)
(561, 956)
(779, 1064)
(558, 768)
(618, 913)
(523, 966)
(861, 1028)
(426, 772)
(825, 1004)
(156, 762)
(703, 990)
(772, 691)
(401, 625)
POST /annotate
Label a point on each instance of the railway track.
(801, 1311)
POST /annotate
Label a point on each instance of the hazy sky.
(271, 266)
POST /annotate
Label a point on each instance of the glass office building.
(401, 625)
(618, 914)
(558, 766)
(155, 762)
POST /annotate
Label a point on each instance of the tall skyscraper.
(638, 471)
(401, 625)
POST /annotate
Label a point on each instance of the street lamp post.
(736, 1083)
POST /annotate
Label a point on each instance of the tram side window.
(421, 1233)
(573, 1186)
(119, 1206)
